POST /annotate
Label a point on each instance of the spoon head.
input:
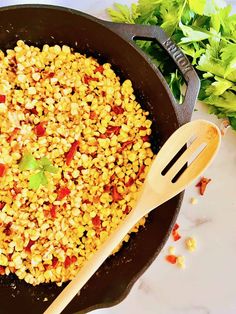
(184, 156)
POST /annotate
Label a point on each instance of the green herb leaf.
(174, 82)
(192, 35)
(229, 59)
(36, 180)
(208, 63)
(46, 165)
(219, 86)
(197, 6)
(51, 169)
(28, 162)
(206, 31)
(225, 104)
(44, 180)
(148, 11)
(122, 13)
(44, 162)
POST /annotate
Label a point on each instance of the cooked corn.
(62, 105)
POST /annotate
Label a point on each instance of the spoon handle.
(91, 266)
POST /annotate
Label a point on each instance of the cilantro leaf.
(51, 169)
(38, 179)
(35, 180)
(44, 180)
(46, 165)
(28, 162)
(44, 162)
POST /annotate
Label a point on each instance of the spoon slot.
(189, 154)
(191, 159)
(178, 155)
(198, 164)
(173, 160)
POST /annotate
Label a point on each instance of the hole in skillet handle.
(134, 32)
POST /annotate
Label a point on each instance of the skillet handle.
(145, 32)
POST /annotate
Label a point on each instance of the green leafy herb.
(206, 31)
(37, 179)
(124, 14)
(197, 6)
(28, 162)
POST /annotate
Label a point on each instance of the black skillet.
(40, 24)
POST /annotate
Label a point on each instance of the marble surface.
(207, 285)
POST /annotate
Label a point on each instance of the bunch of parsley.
(206, 31)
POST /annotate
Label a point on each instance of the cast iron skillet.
(40, 24)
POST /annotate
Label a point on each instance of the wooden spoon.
(158, 187)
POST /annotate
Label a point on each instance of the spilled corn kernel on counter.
(74, 150)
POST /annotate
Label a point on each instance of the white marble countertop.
(207, 285)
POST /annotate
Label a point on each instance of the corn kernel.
(191, 244)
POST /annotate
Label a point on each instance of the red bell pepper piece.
(88, 78)
(116, 195)
(176, 227)
(2, 204)
(71, 153)
(62, 192)
(130, 182)
(92, 115)
(175, 233)
(69, 260)
(54, 262)
(113, 130)
(100, 69)
(141, 170)
(117, 109)
(202, 184)
(53, 211)
(96, 221)
(2, 98)
(2, 270)
(127, 210)
(3, 170)
(13, 135)
(107, 188)
(40, 130)
(145, 138)
(124, 145)
(28, 247)
(171, 259)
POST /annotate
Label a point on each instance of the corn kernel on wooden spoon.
(163, 181)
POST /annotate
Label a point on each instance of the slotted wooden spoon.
(157, 189)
